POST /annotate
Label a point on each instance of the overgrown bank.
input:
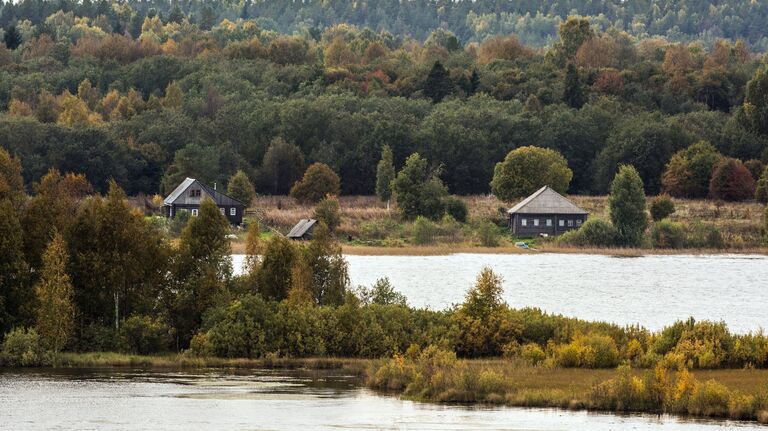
(707, 227)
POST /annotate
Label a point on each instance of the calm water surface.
(264, 400)
(653, 290)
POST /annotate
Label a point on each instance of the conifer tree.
(385, 174)
(12, 38)
(438, 83)
(627, 206)
(574, 94)
(55, 308)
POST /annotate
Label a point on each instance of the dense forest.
(149, 93)
(534, 22)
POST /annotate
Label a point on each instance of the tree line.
(472, 21)
(178, 99)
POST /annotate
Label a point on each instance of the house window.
(570, 223)
(578, 222)
(523, 222)
(194, 193)
(194, 212)
(561, 223)
(222, 211)
(535, 222)
(233, 211)
(549, 222)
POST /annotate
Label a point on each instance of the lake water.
(653, 291)
(119, 399)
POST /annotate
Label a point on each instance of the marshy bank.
(113, 399)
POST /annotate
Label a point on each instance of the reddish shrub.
(731, 181)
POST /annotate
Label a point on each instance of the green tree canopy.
(688, 172)
(527, 169)
(318, 182)
(417, 192)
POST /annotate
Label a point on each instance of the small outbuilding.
(190, 194)
(545, 212)
(303, 229)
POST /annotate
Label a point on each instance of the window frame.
(194, 212)
(233, 211)
(524, 222)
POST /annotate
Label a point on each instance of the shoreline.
(534, 386)
(448, 249)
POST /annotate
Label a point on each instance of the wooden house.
(303, 229)
(545, 212)
(191, 192)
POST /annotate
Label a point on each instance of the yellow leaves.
(173, 96)
(75, 112)
(19, 108)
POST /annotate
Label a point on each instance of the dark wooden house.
(191, 192)
(303, 229)
(545, 212)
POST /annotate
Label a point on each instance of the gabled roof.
(301, 228)
(179, 194)
(546, 201)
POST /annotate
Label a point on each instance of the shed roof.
(302, 227)
(220, 198)
(546, 201)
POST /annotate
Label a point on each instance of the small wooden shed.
(303, 229)
(545, 212)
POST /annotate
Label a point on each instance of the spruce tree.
(385, 173)
(438, 84)
(55, 308)
(12, 38)
(574, 94)
(627, 206)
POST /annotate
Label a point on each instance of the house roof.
(546, 201)
(302, 227)
(178, 195)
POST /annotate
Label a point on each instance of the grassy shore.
(743, 393)
(376, 230)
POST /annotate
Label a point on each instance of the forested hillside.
(148, 93)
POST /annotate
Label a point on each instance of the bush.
(594, 232)
(709, 399)
(96, 338)
(144, 335)
(328, 212)
(667, 234)
(731, 181)
(22, 348)
(319, 181)
(456, 208)
(591, 351)
(662, 207)
(703, 235)
(488, 234)
(423, 231)
(533, 354)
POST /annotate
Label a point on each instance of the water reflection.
(267, 400)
